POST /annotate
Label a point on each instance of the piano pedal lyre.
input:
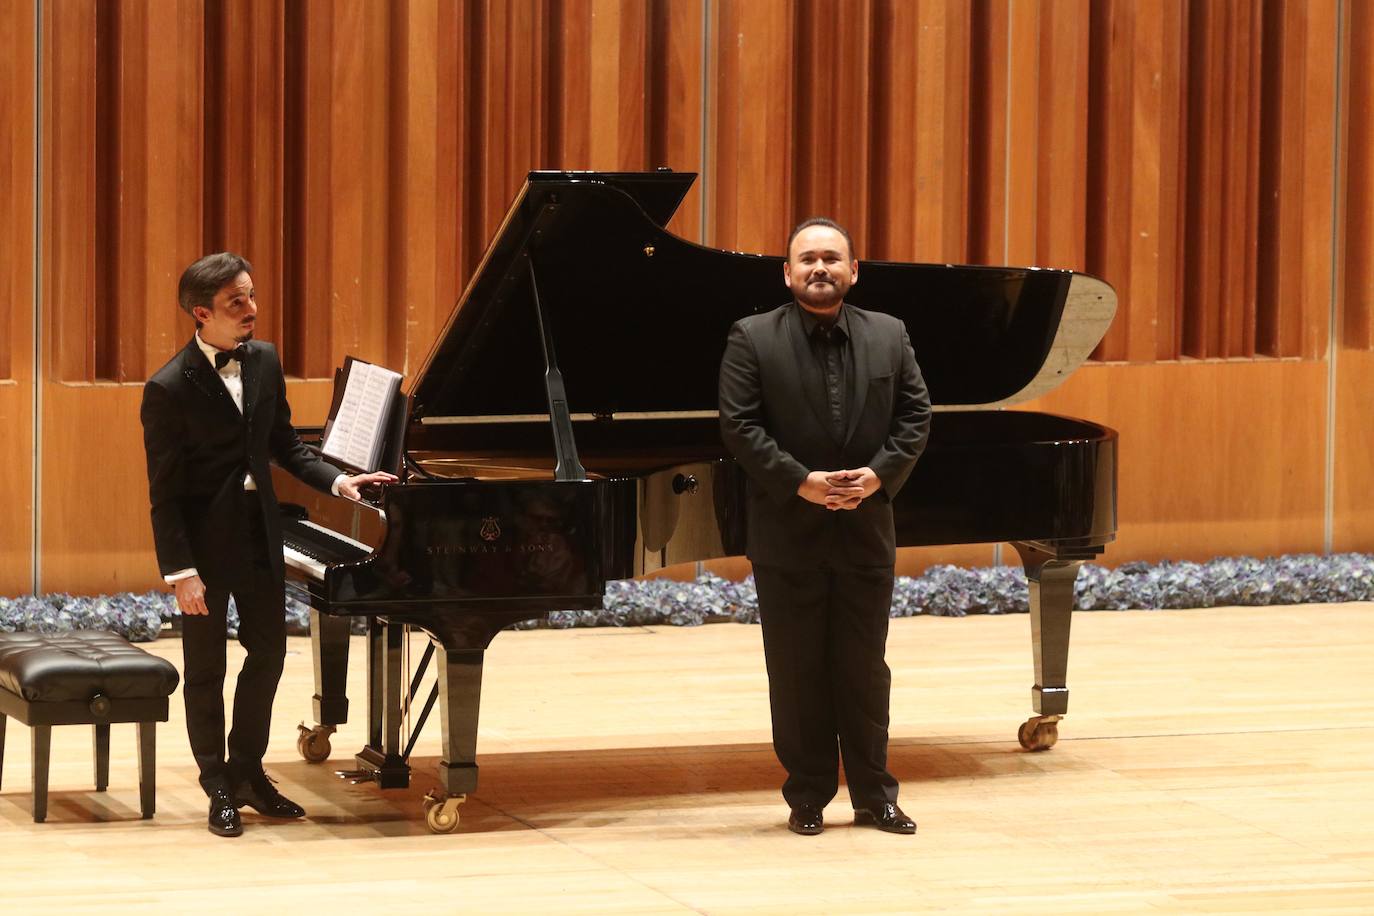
(441, 811)
(1039, 733)
(313, 743)
(355, 777)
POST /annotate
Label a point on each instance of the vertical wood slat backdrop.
(362, 152)
(1357, 262)
(17, 277)
(1167, 146)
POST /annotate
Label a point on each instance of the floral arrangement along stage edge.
(942, 591)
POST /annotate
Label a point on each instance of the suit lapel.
(858, 348)
(807, 370)
(197, 370)
(252, 378)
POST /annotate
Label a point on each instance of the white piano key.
(312, 568)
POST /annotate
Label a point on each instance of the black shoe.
(224, 816)
(806, 820)
(260, 795)
(886, 816)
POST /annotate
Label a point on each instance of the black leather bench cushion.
(52, 667)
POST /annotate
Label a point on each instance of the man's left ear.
(853, 272)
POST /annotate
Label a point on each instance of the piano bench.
(85, 677)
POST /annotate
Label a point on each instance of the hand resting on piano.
(350, 487)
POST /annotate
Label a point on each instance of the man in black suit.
(824, 407)
(213, 418)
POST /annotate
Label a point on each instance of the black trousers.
(261, 602)
(824, 638)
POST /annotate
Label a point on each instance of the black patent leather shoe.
(224, 817)
(887, 817)
(263, 797)
(806, 820)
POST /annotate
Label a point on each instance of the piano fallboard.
(448, 542)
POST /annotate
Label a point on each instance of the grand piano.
(562, 433)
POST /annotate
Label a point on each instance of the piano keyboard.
(311, 548)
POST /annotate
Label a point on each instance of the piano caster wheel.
(441, 812)
(313, 743)
(1039, 733)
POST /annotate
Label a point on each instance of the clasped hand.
(837, 490)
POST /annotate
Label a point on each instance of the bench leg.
(101, 740)
(42, 747)
(147, 768)
(3, 719)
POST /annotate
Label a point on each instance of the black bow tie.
(239, 353)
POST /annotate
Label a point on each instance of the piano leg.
(460, 692)
(1050, 580)
(460, 687)
(329, 644)
(381, 760)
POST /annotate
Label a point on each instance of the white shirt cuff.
(334, 487)
(180, 574)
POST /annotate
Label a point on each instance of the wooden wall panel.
(244, 60)
(916, 174)
(1135, 124)
(616, 66)
(1060, 187)
(17, 185)
(1357, 244)
(1216, 458)
(96, 537)
(1353, 524)
(307, 325)
(149, 218)
(1222, 177)
(68, 127)
(676, 83)
(17, 280)
(989, 90)
(751, 111)
(1296, 174)
(419, 205)
(832, 42)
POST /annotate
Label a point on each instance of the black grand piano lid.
(639, 317)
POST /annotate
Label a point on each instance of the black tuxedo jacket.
(775, 420)
(199, 447)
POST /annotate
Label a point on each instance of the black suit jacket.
(775, 421)
(199, 447)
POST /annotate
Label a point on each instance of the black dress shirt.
(830, 346)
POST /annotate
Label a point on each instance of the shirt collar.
(810, 322)
(230, 368)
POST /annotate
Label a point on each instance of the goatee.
(825, 302)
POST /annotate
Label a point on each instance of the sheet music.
(356, 431)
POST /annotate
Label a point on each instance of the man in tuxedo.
(823, 406)
(213, 417)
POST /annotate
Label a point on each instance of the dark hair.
(829, 224)
(205, 277)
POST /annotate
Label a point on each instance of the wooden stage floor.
(1212, 761)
